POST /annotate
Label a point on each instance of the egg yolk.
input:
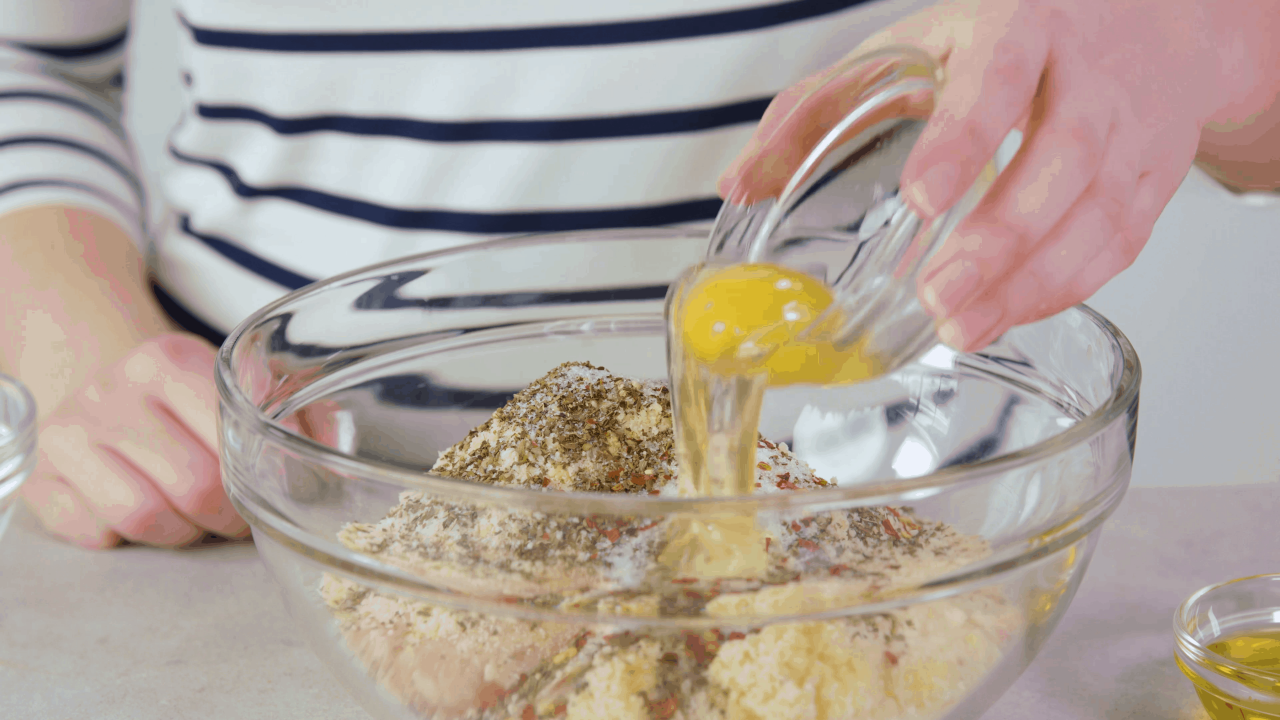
(744, 319)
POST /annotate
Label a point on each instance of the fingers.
(171, 459)
(178, 369)
(113, 491)
(784, 137)
(135, 450)
(989, 88)
(1098, 239)
(1069, 136)
(64, 513)
(798, 119)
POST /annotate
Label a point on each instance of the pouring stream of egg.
(733, 331)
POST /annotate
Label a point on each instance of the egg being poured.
(747, 319)
(733, 331)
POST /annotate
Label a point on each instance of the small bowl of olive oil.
(1227, 641)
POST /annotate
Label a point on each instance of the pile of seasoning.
(581, 429)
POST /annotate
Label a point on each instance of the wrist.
(75, 299)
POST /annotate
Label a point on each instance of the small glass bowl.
(17, 443)
(1228, 688)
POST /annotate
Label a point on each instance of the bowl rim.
(1198, 650)
(1124, 394)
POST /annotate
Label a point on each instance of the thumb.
(800, 116)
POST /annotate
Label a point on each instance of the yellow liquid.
(1259, 650)
(732, 332)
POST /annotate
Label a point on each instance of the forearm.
(1244, 156)
(1240, 141)
(75, 298)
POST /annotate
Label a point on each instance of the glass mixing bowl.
(338, 399)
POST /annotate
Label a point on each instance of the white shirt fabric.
(323, 137)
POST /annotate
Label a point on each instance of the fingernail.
(934, 187)
(971, 330)
(949, 289)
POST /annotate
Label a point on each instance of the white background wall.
(1201, 304)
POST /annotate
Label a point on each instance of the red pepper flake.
(594, 556)
(784, 476)
(718, 635)
(684, 581)
(546, 481)
(560, 709)
(895, 512)
(893, 659)
(693, 594)
(614, 473)
(655, 492)
(591, 524)
(663, 710)
(546, 536)
(591, 421)
(795, 526)
(737, 636)
(809, 544)
(640, 480)
(763, 466)
(888, 528)
(582, 640)
(837, 569)
(786, 485)
(529, 713)
(612, 534)
(770, 445)
(757, 484)
(766, 543)
(698, 648)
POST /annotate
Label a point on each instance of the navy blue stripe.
(583, 35)
(65, 100)
(79, 147)
(508, 223)
(186, 319)
(593, 128)
(247, 260)
(79, 52)
(110, 199)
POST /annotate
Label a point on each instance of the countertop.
(137, 633)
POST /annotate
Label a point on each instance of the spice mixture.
(581, 429)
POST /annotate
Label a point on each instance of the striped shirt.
(321, 137)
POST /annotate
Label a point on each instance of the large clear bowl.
(339, 398)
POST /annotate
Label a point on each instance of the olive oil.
(733, 332)
(1256, 650)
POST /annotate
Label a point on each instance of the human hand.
(132, 454)
(1112, 96)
